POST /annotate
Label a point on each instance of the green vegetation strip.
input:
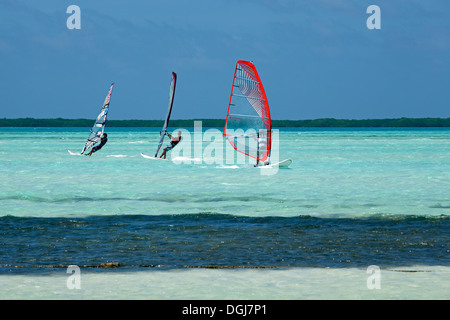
(219, 123)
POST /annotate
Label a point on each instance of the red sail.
(248, 125)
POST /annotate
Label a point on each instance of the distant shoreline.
(319, 123)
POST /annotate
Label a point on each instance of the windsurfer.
(173, 143)
(103, 141)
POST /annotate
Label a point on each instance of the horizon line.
(222, 119)
(216, 123)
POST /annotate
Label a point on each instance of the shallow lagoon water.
(352, 198)
(423, 283)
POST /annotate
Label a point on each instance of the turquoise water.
(352, 198)
(340, 173)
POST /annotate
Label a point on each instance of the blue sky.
(316, 58)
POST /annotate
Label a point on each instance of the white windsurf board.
(74, 153)
(152, 157)
(282, 164)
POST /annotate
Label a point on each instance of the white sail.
(99, 125)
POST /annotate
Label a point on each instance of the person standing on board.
(262, 148)
(103, 141)
(173, 143)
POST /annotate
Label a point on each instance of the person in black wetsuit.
(173, 143)
(103, 141)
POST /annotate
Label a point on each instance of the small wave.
(440, 206)
(116, 156)
(228, 167)
(186, 159)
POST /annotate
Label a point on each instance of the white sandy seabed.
(407, 283)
